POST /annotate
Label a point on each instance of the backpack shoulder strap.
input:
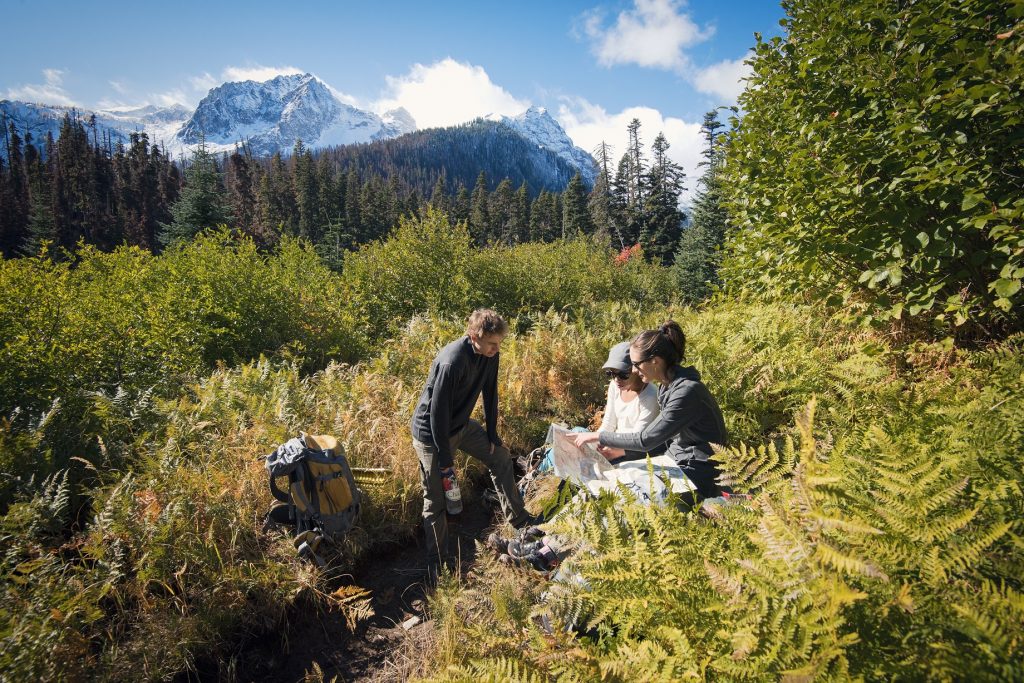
(277, 492)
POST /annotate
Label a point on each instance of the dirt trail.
(380, 649)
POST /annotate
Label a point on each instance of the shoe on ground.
(498, 543)
(537, 556)
(522, 549)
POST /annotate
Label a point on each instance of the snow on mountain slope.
(272, 115)
(269, 117)
(538, 126)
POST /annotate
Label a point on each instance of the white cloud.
(723, 80)
(257, 72)
(344, 97)
(589, 124)
(446, 93)
(171, 97)
(203, 82)
(51, 91)
(654, 33)
(119, 87)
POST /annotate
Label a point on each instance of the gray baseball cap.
(618, 358)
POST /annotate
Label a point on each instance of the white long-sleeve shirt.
(621, 417)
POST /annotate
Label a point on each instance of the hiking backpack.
(322, 500)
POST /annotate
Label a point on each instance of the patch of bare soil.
(321, 646)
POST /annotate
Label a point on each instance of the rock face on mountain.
(538, 126)
(272, 115)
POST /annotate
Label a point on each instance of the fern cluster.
(882, 540)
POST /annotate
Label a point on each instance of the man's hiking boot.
(500, 544)
(517, 547)
(535, 555)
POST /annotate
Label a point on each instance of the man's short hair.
(484, 321)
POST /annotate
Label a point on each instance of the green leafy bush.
(879, 160)
(429, 266)
(75, 335)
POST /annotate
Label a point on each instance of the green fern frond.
(846, 563)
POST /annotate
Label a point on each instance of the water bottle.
(452, 495)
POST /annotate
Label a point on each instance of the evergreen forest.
(848, 276)
(82, 190)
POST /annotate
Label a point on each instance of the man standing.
(459, 374)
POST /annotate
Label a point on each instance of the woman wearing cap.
(690, 419)
(632, 402)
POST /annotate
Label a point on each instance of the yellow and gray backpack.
(321, 501)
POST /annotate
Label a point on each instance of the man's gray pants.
(472, 440)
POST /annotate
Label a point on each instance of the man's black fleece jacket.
(457, 377)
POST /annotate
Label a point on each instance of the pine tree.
(575, 214)
(439, 195)
(202, 204)
(699, 255)
(606, 227)
(636, 166)
(353, 210)
(14, 212)
(622, 204)
(520, 225)
(500, 208)
(460, 205)
(42, 228)
(663, 219)
(479, 220)
(306, 192)
(545, 217)
(241, 185)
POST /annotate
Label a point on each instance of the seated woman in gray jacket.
(690, 419)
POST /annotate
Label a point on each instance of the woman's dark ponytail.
(670, 330)
(668, 341)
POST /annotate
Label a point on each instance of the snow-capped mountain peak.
(400, 120)
(270, 116)
(537, 125)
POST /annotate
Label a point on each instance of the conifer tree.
(545, 217)
(332, 191)
(306, 192)
(42, 228)
(500, 209)
(662, 217)
(15, 208)
(479, 219)
(439, 195)
(241, 192)
(202, 204)
(520, 226)
(699, 255)
(353, 211)
(460, 205)
(599, 203)
(623, 205)
(575, 214)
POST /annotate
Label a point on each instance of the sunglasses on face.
(637, 363)
(616, 374)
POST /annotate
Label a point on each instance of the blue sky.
(594, 64)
